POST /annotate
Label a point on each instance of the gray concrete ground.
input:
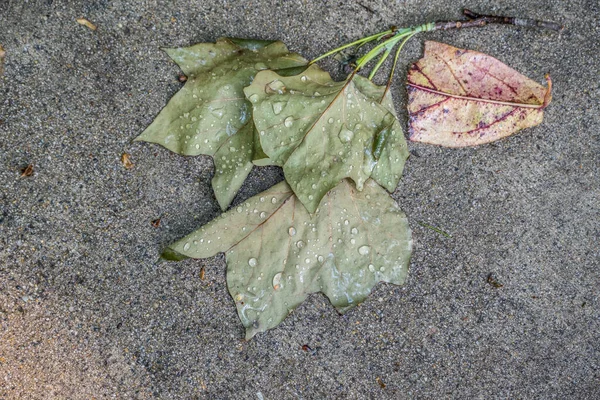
(86, 312)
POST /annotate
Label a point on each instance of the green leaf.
(323, 131)
(210, 114)
(277, 253)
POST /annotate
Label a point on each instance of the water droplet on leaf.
(364, 250)
(346, 135)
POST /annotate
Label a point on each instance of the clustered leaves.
(331, 227)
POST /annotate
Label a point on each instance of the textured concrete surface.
(86, 312)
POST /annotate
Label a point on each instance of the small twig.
(475, 19)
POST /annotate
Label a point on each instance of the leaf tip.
(169, 254)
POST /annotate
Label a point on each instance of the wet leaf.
(463, 98)
(277, 253)
(323, 131)
(210, 114)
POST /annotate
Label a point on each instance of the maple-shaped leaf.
(210, 114)
(323, 131)
(277, 253)
(460, 98)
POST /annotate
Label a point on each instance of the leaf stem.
(364, 40)
(380, 62)
(392, 36)
(393, 70)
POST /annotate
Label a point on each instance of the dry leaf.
(27, 171)
(461, 98)
(380, 382)
(85, 22)
(156, 222)
(202, 273)
(491, 279)
(126, 161)
(2, 55)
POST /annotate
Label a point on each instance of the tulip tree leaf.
(323, 131)
(210, 114)
(277, 253)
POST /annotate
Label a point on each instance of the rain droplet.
(346, 135)
(262, 199)
(260, 66)
(299, 244)
(239, 209)
(314, 186)
(288, 122)
(330, 120)
(274, 200)
(263, 214)
(354, 231)
(253, 98)
(277, 281)
(186, 247)
(371, 268)
(320, 258)
(292, 231)
(382, 269)
(346, 222)
(310, 197)
(304, 78)
(307, 260)
(364, 250)
(253, 262)
(277, 107)
(275, 87)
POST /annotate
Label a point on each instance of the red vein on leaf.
(419, 70)
(487, 72)
(452, 72)
(431, 106)
(486, 126)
